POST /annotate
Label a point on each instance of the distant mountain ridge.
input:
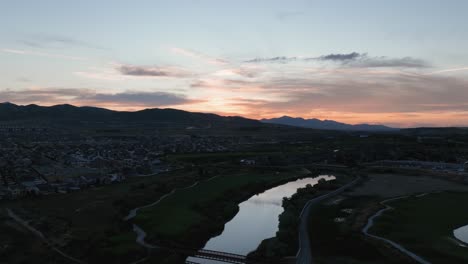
(69, 114)
(324, 124)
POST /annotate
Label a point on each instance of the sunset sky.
(400, 63)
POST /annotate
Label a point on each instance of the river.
(256, 220)
(461, 234)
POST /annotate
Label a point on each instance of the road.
(370, 223)
(304, 255)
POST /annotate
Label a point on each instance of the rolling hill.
(69, 114)
(324, 124)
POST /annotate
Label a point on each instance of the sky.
(399, 63)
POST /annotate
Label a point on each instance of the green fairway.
(425, 225)
(187, 208)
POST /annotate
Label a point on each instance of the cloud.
(376, 62)
(199, 55)
(119, 72)
(448, 70)
(354, 91)
(42, 95)
(142, 98)
(42, 54)
(246, 72)
(353, 59)
(76, 96)
(401, 93)
(56, 41)
(279, 59)
(341, 57)
(152, 71)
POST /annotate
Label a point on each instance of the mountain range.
(324, 124)
(72, 115)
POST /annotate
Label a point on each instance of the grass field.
(90, 221)
(425, 225)
(183, 210)
(340, 242)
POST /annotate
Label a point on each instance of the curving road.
(304, 255)
(370, 223)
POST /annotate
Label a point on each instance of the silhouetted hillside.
(325, 124)
(69, 114)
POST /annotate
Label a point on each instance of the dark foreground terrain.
(69, 183)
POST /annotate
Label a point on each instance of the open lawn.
(393, 185)
(334, 229)
(425, 225)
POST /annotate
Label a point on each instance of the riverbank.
(286, 243)
(191, 217)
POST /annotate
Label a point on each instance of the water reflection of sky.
(461, 233)
(256, 220)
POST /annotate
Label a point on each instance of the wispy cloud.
(200, 56)
(448, 70)
(152, 71)
(353, 59)
(245, 72)
(377, 62)
(56, 41)
(42, 54)
(278, 59)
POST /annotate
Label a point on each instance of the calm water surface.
(256, 220)
(461, 233)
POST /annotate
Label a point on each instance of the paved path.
(370, 223)
(39, 234)
(304, 255)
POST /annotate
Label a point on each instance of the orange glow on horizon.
(403, 120)
(225, 107)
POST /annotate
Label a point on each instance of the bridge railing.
(213, 252)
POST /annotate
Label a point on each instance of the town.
(59, 164)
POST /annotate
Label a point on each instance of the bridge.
(214, 255)
(222, 256)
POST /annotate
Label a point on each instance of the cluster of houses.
(63, 165)
(36, 186)
(8, 129)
